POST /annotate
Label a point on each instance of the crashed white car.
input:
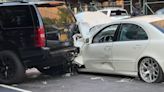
(130, 47)
(115, 13)
(85, 22)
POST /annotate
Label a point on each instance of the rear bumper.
(44, 57)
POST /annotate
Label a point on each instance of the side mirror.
(86, 40)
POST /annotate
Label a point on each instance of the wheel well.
(14, 50)
(140, 61)
(143, 58)
(9, 46)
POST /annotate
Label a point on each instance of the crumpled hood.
(87, 20)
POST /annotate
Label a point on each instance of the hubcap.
(6, 68)
(149, 70)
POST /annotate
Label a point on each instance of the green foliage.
(48, 21)
(65, 18)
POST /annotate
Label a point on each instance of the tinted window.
(15, 16)
(159, 25)
(118, 13)
(106, 35)
(132, 32)
(58, 21)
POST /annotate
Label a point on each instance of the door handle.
(107, 48)
(137, 46)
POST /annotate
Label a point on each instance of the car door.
(131, 42)
(98, 53)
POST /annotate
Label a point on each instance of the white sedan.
(130, 47)
(115, 13)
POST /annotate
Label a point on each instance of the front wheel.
(150, 71)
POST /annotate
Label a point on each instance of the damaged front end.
(88, 24)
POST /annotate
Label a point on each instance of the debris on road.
(97, 78)
(44, 82)
(67, 75)
(125, 80)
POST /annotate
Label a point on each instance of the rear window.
(58, 21)
(15, 16)
(118, 13)
(56, 16)
(159, 25)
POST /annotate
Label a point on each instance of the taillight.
(40, 37)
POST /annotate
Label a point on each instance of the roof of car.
(149, 18)
(13, 3)
(31, 2)
(111, 8)
(46, 2)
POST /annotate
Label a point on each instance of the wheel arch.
(153, 57)
(5, 46)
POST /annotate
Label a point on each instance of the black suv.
(26, 41)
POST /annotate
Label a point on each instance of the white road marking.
(14, 88)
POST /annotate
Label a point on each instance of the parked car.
(115, 13)
(129, 47)
(27, 41)
(60, 25)
(160, 11)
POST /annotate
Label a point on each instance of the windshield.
(159, 25)
(118, 13)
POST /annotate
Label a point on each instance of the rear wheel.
(11, 68)
(150, 71)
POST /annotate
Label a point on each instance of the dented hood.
(87, 20)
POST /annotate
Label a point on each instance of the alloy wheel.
(6, 68)
(149, 70)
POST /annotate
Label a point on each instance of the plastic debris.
(97, 78)
(125, 80)
(44, 82)
(67, 75)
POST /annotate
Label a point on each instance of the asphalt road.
(86, 82)
(2, 89)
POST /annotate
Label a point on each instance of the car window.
(118, 13)
(58, 21)
(159, 25)
(105, 12)
(16, 17)
(105, 35)
(131, 32)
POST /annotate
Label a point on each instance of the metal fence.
(94, 6)
(152, 7)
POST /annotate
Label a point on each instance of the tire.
(150, 71)
(74, 69)
(11, 69)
